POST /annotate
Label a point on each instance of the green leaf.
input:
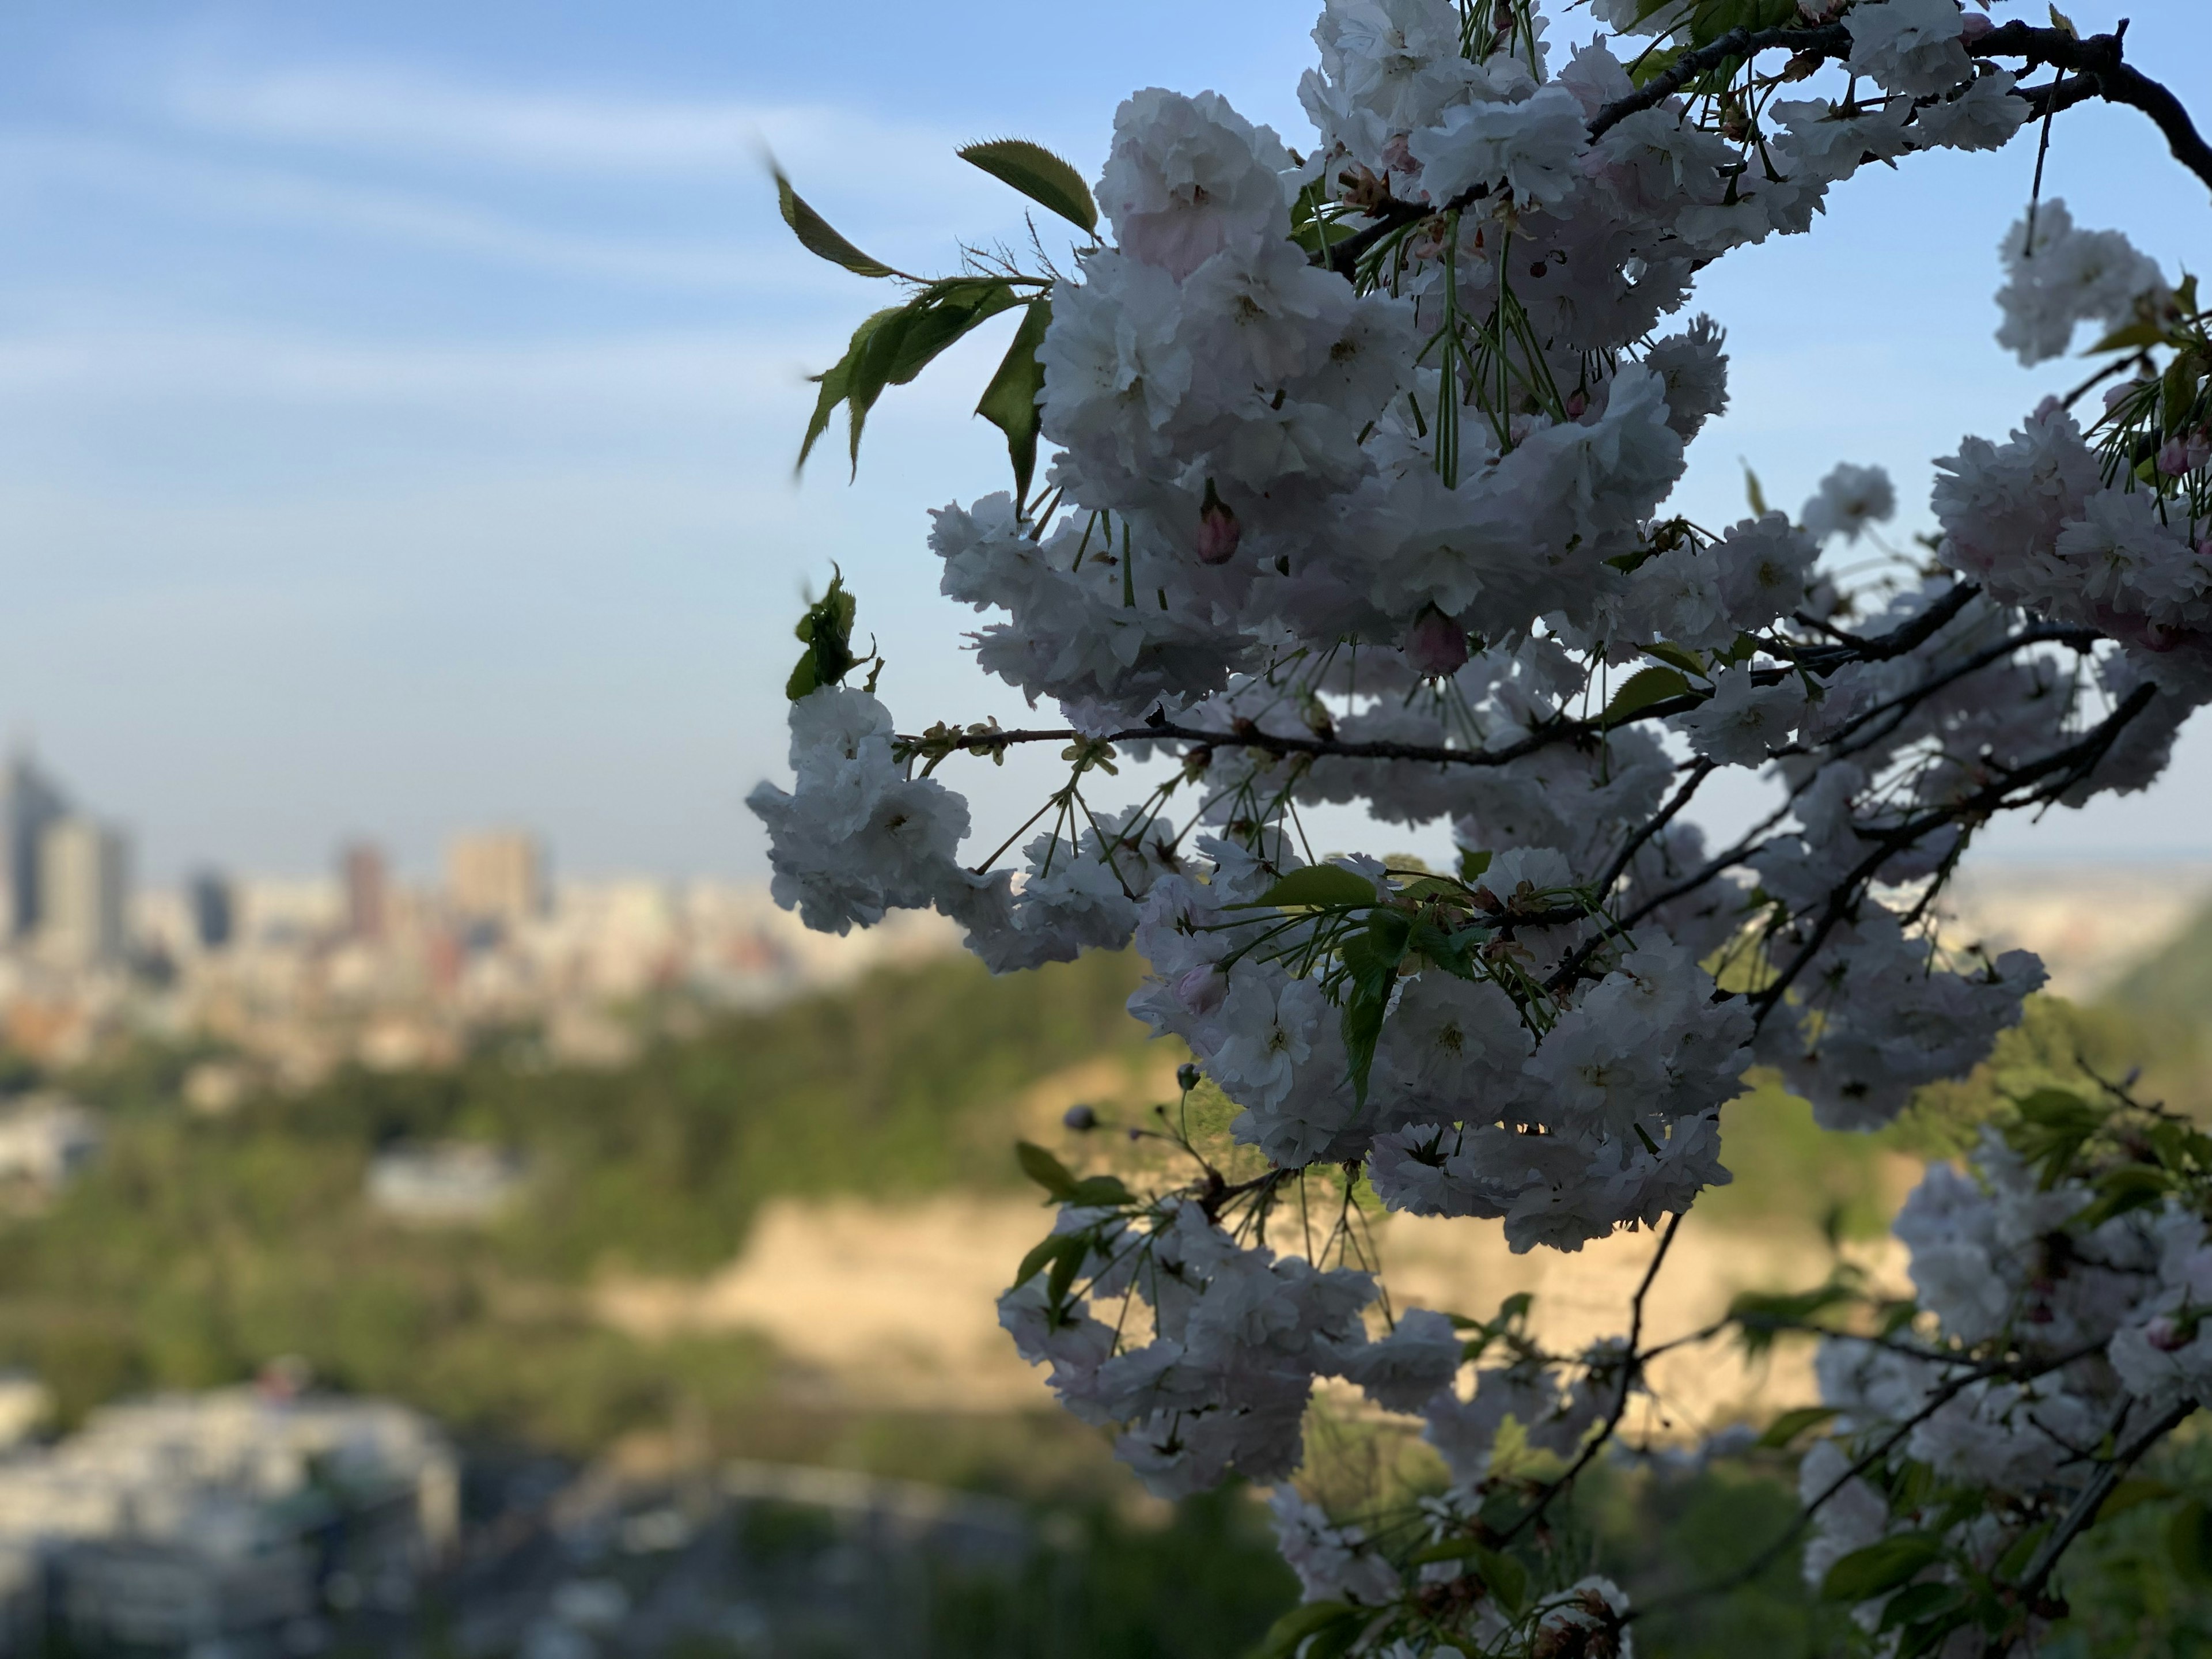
(1788, 1426)
(1044, 1252)
(893, 346)
(1287, 1633)
(1688, 661)
(1763, 1315)
(1473, 864)
(1917, 1602)
(2131, 336)
(836, 380)
(1048, 1171)
(1650, 66)
(1321, 886)
(815, 234)
(826, 630)
(2177, 390)
(2021, 1550)
(1101, 1190)
(1010, 402)
(1643, 688)
(2131, 1492)
(1864, 1574)
(2131, 1186)
(1370, 959)
(2189, 1543)
(1507, 1578)
(2060, 20)
(1038, 174)
(1752, 493)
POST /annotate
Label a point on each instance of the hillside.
(195, 1248)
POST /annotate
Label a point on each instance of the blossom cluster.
(1359, 464)
(2054, 1336)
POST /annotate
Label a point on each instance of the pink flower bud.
(1436, 644)
(2174, 459)
(2164, 1334)
(1202, 990)
(1974, 24)
(1219, 532)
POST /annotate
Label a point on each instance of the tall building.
(84, 892)
(362, 871)
(29, 804)
(496, 875)
(213, 909)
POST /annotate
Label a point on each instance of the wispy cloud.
(170, 183)
(212, 366)
(402, 112)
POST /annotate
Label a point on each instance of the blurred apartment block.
(225, 1522)
(283, 980)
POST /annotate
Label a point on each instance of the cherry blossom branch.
(2073, 763)
(1829, 40)
(1631, 1367)
(2097, 59)
(2083, 1511)
(2013, 1371)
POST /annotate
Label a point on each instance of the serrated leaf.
(1039, 174)
(826, 631)
(1319, 886)
(1682, 657)
(1650, 66)
(1864, 1574)
(1918, 1602)
(1643, 688)
(1753, 493)
(2131, 1186)
(1044, 1253)
(835, 382)
(1010, 402)
(1285, 1635)
(815, 234)
(2060, 20)
(1788, 1426)
(1445, 1549)
(1048, 1171)
(1507, 1578)
(893, 347)
(1370, 959)
(2131, 336)
(2021, 1550)
(1101, 1190)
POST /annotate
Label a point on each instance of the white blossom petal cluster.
(2047, 1329)
(1354, 490)
(2057, 276)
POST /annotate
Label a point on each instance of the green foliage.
(191, 1251)
(1039, 174)
(1645, 687)
(826, 631)
(1203, 1586)
(816, 235)
(1010, 402)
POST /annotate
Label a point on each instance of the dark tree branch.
(1829, 39)
(2097, 65)
(2097, 61)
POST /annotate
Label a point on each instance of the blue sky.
(397, 402)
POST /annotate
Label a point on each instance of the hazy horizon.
(397, 405)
